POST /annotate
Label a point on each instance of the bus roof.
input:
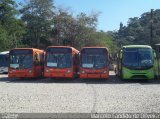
(5, 52)
(60, 46)
(27, 49)
(63, 47)
(137, 46)
(94, 47)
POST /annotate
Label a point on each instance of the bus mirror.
(120, 55)
(154, 54)
(36, 57)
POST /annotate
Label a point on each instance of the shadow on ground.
(112, 80)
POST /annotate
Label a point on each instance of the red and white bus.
(26, 63)
(94, 62)
(61, 62)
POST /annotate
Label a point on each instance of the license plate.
(59, 74)
(93, 75)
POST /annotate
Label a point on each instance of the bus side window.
(36, 61)
(7, 59)
(41, 58)
(76, 59)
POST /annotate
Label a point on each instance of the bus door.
(76, 64)
(37, 66)
(119, 63)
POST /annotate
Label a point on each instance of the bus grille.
(139, 77)
(138, 73)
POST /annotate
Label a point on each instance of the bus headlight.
(105, 72)
(47, 70)
(11, 72)
(30, 71)
(83, 72)
(68, 71)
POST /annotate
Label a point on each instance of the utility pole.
(151, 28)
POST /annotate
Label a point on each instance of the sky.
(112, 11)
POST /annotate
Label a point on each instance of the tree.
(75, 31)
(63, 32)
(38, 16)
(3, 39)
(11, 28)
(138, 30)
(40, 25)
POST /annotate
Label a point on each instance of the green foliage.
(138, 30)
(11, 28)
(105, 40)
(40, 24)
(78, 31)
(3, 39)
(37, 14)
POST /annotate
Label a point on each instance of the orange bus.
(61, 62)
(94, 62)
(26, 63)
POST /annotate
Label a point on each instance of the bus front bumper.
(58, 75)
(138, 74)
(94, 76)
(21, 74)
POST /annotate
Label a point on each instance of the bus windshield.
(3, 61)
(97, 61)
(21, 60)
(59, 60)
(138, 57)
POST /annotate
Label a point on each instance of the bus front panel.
(94, 63)
(137, 63)
(59, 63)
(21, 64)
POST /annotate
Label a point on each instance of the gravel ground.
(79, 96)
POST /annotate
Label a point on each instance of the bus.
(158, 60)
(61, 62)
(136, 62)
(26, 63)
(94, 62)
(4, 61)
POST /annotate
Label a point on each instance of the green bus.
(136, 62)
